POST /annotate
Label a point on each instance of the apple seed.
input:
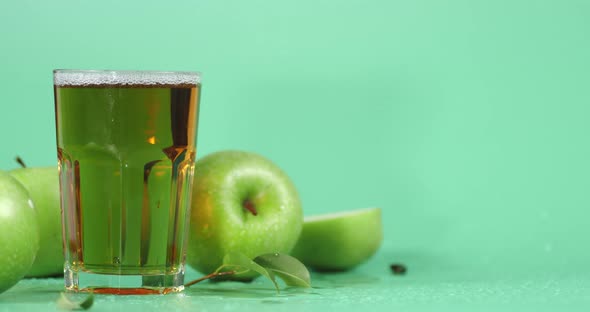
(398, 269)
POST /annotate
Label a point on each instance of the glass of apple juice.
(126, 150)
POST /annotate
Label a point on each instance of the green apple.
(19, 231)
(242, 202)
(340, 241)
(43, 186)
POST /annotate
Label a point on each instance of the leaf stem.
(209, 276)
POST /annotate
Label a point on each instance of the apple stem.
(20, 161)
(248, 205)
(209, 276)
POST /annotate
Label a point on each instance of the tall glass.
(126, 149)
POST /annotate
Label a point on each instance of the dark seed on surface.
(398, 269)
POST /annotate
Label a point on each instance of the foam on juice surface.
(80, 78)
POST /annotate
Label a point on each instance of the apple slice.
(339, 241)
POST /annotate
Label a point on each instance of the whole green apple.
(19, 232)
(242, 202)
(43, 187)
(339, 241)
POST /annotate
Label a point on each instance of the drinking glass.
(126, 149)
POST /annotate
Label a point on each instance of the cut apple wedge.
(339, 241)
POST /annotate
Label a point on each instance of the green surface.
(369, 287)
(466, 121)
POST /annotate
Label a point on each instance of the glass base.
(80, 281)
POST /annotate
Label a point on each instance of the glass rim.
(83, 77)
(129, 71)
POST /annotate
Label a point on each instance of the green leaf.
(289, 269)
(66, 304)
(240, 260)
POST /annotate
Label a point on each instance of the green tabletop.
(430, 284)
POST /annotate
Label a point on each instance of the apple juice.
(126, 157)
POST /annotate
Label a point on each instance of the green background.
(465, 121)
